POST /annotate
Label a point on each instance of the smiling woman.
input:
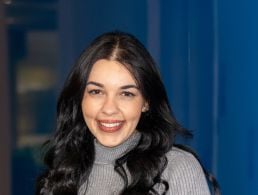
(112, 103)
(115, 130)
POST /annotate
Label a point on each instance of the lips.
(110, 126)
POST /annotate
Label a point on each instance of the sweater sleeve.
(184, 174)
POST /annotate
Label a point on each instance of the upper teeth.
(110, 124)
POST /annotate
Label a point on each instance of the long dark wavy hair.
(70, 152)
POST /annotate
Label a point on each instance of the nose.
(110, 106)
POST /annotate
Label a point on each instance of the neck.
(108, 155)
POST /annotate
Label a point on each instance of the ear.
(145, 107)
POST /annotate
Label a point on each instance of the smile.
(110, 126)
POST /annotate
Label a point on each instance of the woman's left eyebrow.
(129, 86)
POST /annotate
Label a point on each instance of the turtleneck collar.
(108, 155)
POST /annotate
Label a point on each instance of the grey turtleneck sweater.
(183, 172)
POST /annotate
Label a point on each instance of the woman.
(115, 131)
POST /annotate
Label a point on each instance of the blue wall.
(237, 36)
(187, 65)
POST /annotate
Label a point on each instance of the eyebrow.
(95, 83)
(102, 86)
(129, 86)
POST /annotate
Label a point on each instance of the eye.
(95, 92)
(127, 94)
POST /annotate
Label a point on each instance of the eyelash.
(127, 94)
(99, 92)
(95, 92)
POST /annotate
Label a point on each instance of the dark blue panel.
(238, 95)
(174, 55)
(200, 76)
(187, 65)
(95, 17)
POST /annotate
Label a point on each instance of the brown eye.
(95, 92)
(128, 94)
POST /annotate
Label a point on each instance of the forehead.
(110, 72)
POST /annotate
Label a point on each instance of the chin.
(111, 143)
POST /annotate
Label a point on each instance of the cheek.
(88, 109)
(89, 114)
(132, 112)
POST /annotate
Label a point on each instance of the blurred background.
(207, 52)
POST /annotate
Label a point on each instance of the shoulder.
(179, 157)
(184, 173)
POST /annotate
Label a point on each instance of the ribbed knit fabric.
(183, 172)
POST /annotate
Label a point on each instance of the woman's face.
(112, 103)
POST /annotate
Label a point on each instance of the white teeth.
(110, 124)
